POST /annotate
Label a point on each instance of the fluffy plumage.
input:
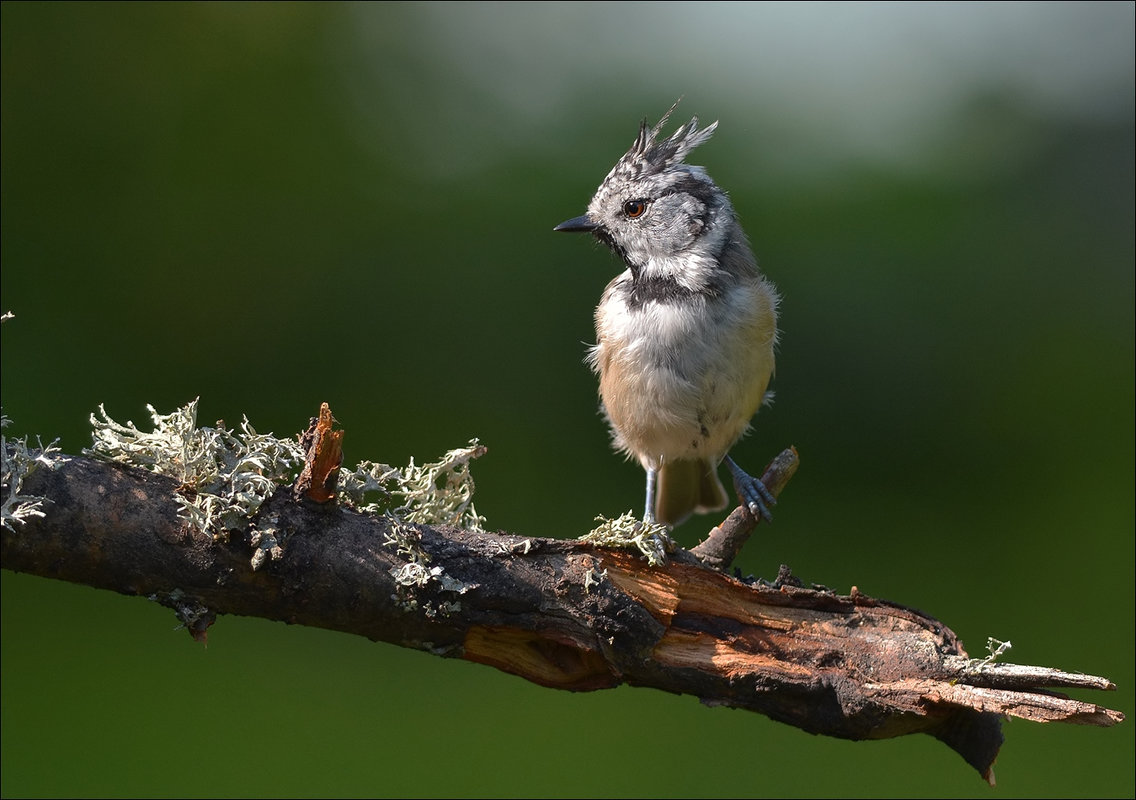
(685, 335)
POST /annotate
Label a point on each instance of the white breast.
(681, 379)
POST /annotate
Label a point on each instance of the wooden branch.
(559, 613)
(725, 541)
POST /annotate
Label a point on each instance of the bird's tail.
(686, 487)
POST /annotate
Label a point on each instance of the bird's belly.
(658, 418)
(674, 392)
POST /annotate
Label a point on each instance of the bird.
(685, 335)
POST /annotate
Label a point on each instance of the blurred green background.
(272, 206)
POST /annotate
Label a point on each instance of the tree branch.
(560, 613)
(725, 541)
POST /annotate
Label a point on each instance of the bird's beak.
(582, 224)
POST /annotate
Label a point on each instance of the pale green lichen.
(593, 578)
(225, 476)
(16, 463)
(629, 533)
(267, 546)
(438, 493)
(996, 648)
(417, 573)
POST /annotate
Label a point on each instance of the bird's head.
(653, 209)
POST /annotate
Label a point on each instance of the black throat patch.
(665, 289)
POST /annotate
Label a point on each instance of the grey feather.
(685, 336)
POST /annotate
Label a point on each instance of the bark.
(563, 614)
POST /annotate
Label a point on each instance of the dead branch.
(722, 546)
(560, 613)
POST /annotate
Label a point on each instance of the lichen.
(593, 578)
(417, 573)
(16, 463)
(267, 546)
(438, 493)
(195, 617)
(996, 648)
(629, 533)
(225, 476)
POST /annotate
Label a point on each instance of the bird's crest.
(650, 156)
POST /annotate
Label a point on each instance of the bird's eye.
(634, 208)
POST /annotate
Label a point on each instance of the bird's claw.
(752, 492)
(756, 497)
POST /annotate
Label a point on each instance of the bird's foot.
(752, 492)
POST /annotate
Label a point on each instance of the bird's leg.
(649, 511)
(752, 492)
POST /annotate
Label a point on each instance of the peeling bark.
(559, 613)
